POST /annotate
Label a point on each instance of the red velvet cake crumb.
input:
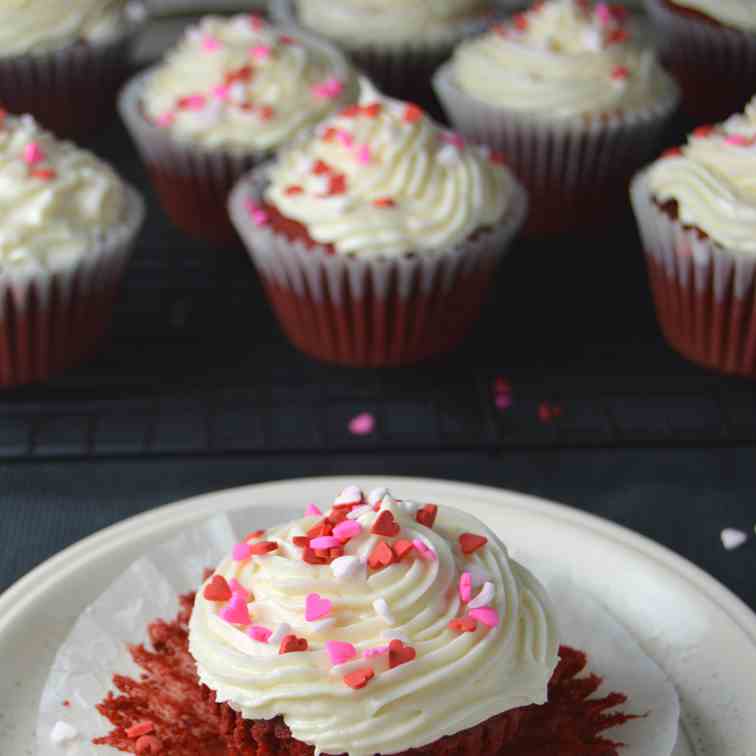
(186, 721)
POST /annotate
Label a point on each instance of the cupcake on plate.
(68, 226)
(64, 65)
(398, 43)
(575, 106)
(710, 47)
(377, 237)
(232, 92)
(696, 208)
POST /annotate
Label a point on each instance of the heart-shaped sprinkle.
(385, 525)
(322, 528)
(310, 557)
(260, 52)
(383, 611)
(33, 153)
(263, 547)
(312, 511)
(351, 495)
(364, 423)
(424, 550)
(412, 113)
(217, 589)
(317, 607)
(377, 495)
(255, 534)
(427, 515)
(485, 596)
(241, 552)
(463, 625)
(486, 615)
(465, 586)
(280, 633)
(347, 529)
(325, 542)
(259, 633)
(382, 555)
(357, 512)
(345, 567)
(301, 542)
(291, 644)
(62, 732)
(400, 654)
(360, 678)
(339, 652)
(469, 542)
(733, 539)
(402, 548)
(236, 612)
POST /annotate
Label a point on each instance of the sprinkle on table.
(362, 424)
(732, 538)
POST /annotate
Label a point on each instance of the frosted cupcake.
(710, 47)
(68, 224)
(573, 104)
(65, 65)
(696, 208)
(398, 43)
(377, 238)
(232, 92)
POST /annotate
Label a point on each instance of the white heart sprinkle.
(320, 625)
(411, 507)
(377, 495)
(62, 732)
(485, 597)
(344, 567)
(732, 538)
(280, 633)
(448, 155)
(382, 609)
(357, 512)
(350, 495)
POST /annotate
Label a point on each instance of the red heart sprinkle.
(337, 184)
(293, 190)
(301, 542)
(360, 678)
(701, 132)
(413, 113)
(385, 525)
(384, 202)
(329, 135)
(350, 111)
(311, 557)
(399, 653)
(427, 515)
(266, 112)
(617, 36)
(291, 644)
(263, 547)
(254, 534)
(217, 589)
(463, 625)
(498, 158)
(322, 528)
(469, 542)
(402, 548)
(241, 74)
(381, 556)
(338, 515)
(373, 110)
(520, 21)
(320, 167)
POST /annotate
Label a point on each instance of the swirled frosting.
(738, 13)
(55, 199)
(713, 180)
(387, 22)
(562, 58)
(242, 83)
(29, 26)
(381, 178)
(471, 632)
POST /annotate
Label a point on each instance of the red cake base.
(186, 721)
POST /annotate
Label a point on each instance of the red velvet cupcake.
(376, 239)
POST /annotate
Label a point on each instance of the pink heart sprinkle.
(339, 652)
(603, 14)
(241, 552)
(454, 139)
(210, 43)
(377, 651)
(316, 607)
(237, 587)
(165, 120)
(738, 140)
(363, 154)
(33, 153)
(486, 615)
(256, 21)
(329, 89)
(362, 425)
(503, 401)
(312, 511)
(325, 542)
(259, 633)
(260, 52)
(236, 612)
(194, 102)
(221, 91)
(424, 551)
(465, 586)
(258, 215)
(345, 138)
(347, 529)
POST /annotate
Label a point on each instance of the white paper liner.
(96, 648)
(72, 90)
(566, 164)
(51, 315)
(302, 269)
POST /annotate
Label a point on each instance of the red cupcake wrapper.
(704, 293)
(371, 313)
(71, 91)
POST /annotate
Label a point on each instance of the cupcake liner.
(71, 91)
(50, 319)
(704, 293)
(401, 70)
(362, 311)
(193, 181)
(715, 65)
(576, 170)
(97, 646)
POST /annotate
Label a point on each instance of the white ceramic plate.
(701, 635)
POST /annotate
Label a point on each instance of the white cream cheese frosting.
(32, 26)
(472, 632)
(382, 179)
(242, 83)
(388, 22)
(740, 14)
(56, 200)
(562, 58)
(713, 180)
